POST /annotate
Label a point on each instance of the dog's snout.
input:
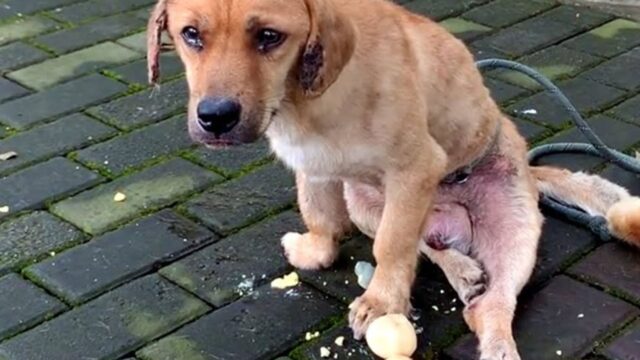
(218, 115)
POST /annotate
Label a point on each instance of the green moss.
(459, 26)
(613, 28)
(143, 324)
(179, 274)
(171, 348)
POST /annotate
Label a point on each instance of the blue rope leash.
(597, 224)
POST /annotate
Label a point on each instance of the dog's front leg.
(325, 214)
(408, 196)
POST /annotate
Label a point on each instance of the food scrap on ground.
(392, 335)
(119, 197)
(325, 352)
(4, 209)
(286, 281)
(339, 341)
(364, 272)
(309, 336)
(8, 155)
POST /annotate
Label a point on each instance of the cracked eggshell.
(392, 335)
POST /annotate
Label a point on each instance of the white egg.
(392, 335)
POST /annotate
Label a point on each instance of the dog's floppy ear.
(156, 25)
(329, 48)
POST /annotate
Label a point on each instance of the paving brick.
(615, 72)
(502, 13)
(98, 8)
(10, 90)
(19, 54)
(144, 107)
(530, 130)
(137, 41)
(260, 326)
(608, 40)
(91, 33)
(33, 236)
(579, 16)
(351, 349)
(550, 322)
(31, 188)
(626, 345)
(245, 200)
(528, 36)
(139, 147)
(586, 95)
(40, 143)
(440, 9)
(612, 266)
(237, 265)
(143, 13)
(464, 29)
(233, 160)
(616, 134)
(58, 100)
(628, 110)
(485, 52)
(72, 65)
(95, 211)
(340, 280)
(115, 258)
(23, 305)
(25, 27)
(136, 72)
(554, 62)
(503, 92)
(32, 6)
(110, 326)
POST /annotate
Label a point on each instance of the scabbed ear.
(329, 47)
(156, 25)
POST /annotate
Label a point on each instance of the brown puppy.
(373, 107)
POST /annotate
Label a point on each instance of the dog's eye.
(269, 39)
(191, 36)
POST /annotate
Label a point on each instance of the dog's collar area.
(462, 174)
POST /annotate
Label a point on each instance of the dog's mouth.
(220, 143)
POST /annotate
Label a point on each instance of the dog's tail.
(594, 195)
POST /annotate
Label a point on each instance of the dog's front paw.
(309, 251)
(499, 349)
(372, 305)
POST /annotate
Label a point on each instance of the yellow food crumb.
(119, 197)
(339, 341)
(325, 352)
(4, 209)
(286, 281)
(310, 336)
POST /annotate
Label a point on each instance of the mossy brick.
(138, 41)
(440, 9)
(144, 13)
(52, 180)
(502, 13)
(608, 40)
(240, 202)
(340, 280)
(260, 326)
(60, 69)
(464, 29)
(528, 36)
(110, 326)
(33, 6)
(139, 147)
(503, 92)
(136, 72)
(485, 52)
(581, 17)
(232, 160)
(33, 236)
(616, 134)
(19, 54)
(566, 317)
(23, 305)
(614, 267)
(554, 62)
(235, 266)
(97, 8)
(586, 95)
(95, 211)
(10, 90)
(58, 100)
(110, 260)
(57, 138)
(618, 71)
(100, 30)
(350, 349)
(145, 107)
(25, 27)
(626, 345)
(628, 110)
(530, 130)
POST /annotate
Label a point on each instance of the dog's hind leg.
(505, 242)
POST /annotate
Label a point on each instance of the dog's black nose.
(218, 115)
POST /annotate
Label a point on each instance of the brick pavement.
(180, 269)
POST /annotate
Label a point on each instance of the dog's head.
(243, 58)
